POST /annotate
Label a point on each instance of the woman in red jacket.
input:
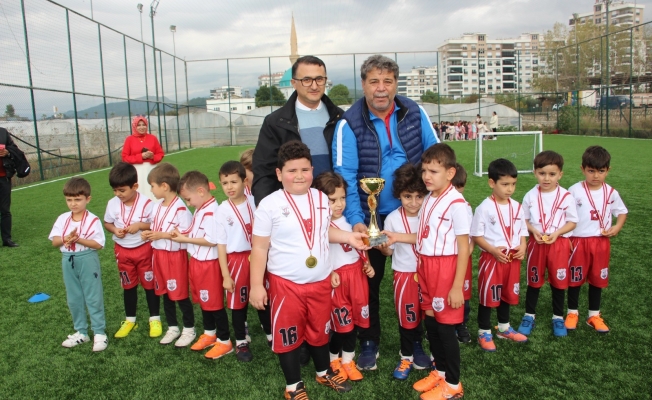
(143, 151)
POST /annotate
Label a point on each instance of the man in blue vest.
(377, 135)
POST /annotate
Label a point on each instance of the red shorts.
(350, 300)
(135, 266)
(548, 257)
(206, 284)
(407, 299)
(590, 260)
(238, 264)
(299, 312)
(436, 276)
(498, 281)
(468, 278)
(170, 273)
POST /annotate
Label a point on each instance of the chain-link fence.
(71, 85)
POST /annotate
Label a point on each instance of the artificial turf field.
(584, 365)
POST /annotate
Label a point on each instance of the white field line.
(85, 173)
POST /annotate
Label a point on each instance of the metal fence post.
(439, 99)
(158, 109)
(271, 96)
(31, 91)
(146, 85)
(228, 92)
(165, 126)
(631, 63)
(176, 101)
(124, 43)
(355, 83)
(185, 67)
(74, 96)
(578, 85)
(106, 117)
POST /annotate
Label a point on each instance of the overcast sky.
(260, 28)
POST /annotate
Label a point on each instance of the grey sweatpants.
(83, 279)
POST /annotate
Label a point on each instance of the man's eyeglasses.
(320, 80)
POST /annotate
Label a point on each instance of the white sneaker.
(100, 342)
(170, 335)
(75, 339)
(187, 337)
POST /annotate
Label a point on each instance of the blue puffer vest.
(369, 156)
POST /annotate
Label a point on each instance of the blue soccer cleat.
(403, 369)
(421, 359)
(527, 324)
(558, 327)
(368, 355)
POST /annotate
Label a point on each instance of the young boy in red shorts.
(127, 215)
(596, 203)
(350, 295)
(442, 242)
(291, 238)
(550, 215)
(169, 258)
(204, 268)
(463, 335)
(499, 229)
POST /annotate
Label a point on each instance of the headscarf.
(134, 124)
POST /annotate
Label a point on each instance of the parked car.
(614, 102)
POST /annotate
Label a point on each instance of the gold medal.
(416, 278)
(510, 257)
(545, 238)
(604, 232)
(249, 258)
(311, 262)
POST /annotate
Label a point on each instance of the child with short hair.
(204, 269)
(499, 229)
(408, 187)
(463, 335)
(235, 217)
(550, 216)
(291, 236)
(350, 294)
(169, 258)
(78, 234)
(596, 203)
(127, 215)
(246, 159)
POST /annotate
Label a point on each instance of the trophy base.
(377, 240)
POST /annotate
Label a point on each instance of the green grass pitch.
(584, 365)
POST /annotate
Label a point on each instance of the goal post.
(518, 147)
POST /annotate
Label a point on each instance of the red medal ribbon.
(545, 226)
(512, 219)
(192, 224)
(157, 227)
(360, 253)
(127, 222)
(406, 225)
(605, 203)
(308, 234)
(81, 228)
(424, 222)
(242, 222)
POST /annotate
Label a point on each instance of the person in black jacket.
(309, 116)
(7, 170)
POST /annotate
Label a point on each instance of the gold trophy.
(373, 186)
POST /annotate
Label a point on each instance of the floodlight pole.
(152, 12)
(140, 10)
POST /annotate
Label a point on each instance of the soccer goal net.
(518, 147)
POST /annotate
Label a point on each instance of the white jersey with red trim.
(122, 216)
(288, 251)
(204, 225)
(441, 220)
(342, 254)
(404, 257)
(469, 209)
(562, 202)
(165, 219)
(595, 215)
(231, 231)
(89, 228)
(495, 227)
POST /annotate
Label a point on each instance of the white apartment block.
(621, 14)
(223, 92)
(475, 64)
(418, 81)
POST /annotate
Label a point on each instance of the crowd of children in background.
(232, 254)
(460, 130)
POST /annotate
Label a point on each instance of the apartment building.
(418, 81)
(621, 14)
(476, 64)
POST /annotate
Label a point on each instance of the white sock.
(269, 337)
(292, 387)
(529, 315)
(131, 319)
(503, 327)
(593, 313)
(347, 357)
(188, 330)
(173, 328)
(442, 374)
(321, 373)
(573, 312)
(239, 342)
(453, 386)
(155, 318)
(481, 331)
(225, 341)
(554, 317)
(209, 333)
(334, 356)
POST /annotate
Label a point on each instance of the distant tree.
(10, 111)
(339, 94)
(172, 113)
(472, 98)
(95, 114)
(431, 97)
(263, 96)
(86, 115)
(112, 114)
(43, 116)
